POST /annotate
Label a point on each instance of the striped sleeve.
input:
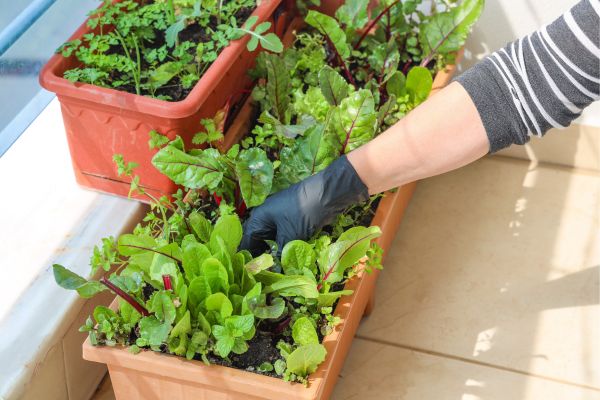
(541, 81)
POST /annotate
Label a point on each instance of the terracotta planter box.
(151, 375)
(100, 122)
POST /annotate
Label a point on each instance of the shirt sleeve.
(541, 81)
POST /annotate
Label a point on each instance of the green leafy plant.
(184, 286)
(161, 48)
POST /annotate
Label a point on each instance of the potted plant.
(303, 110)
(134, 66)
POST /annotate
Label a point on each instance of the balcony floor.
(491, 291)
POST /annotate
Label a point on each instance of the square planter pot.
(100, 122)
(150, 375)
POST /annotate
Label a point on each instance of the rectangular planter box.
(100, 122)
(151, 375)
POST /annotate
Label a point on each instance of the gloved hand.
(300, 210)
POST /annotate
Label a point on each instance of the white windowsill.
(46, 218)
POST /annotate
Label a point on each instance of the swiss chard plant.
(161, 48)
(184, 287)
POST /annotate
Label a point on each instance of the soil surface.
(194, 33)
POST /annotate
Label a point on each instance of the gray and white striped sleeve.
(540, 81)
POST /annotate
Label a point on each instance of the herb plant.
(161, 48)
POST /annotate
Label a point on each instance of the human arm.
(540, 81)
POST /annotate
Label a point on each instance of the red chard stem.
(124, 296)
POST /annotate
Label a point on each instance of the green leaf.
(446, 32)
(265, 367)
(251, 294)
(130, 244)
(172, 32)
(304, 332)
(385, 110)
(157, 140)
(67, 279)
(260, 263)
(238, 325)
(154, 331)
(201, 226)
(328, 299)
(278, 85)
(129, 314)
(194, 254)
(271, 42)
(307, 156)
(199, 340)
(305, 359)
(164, 73)
(329, 27)
(198, 291)
(182, 327)
(161, 304)
(396, 84)
(297, 255)
(350, 247)
(225, 340)
(260, 309)
(418, 84)
(353, 14)
(280, 367)
(354, 121)
(90, 289)
(294, 285)
(216, 275)
(228, 228)
(219, 302)
(204, 170)
(333, 86)
(255, 174)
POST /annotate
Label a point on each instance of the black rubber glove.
(300, 210)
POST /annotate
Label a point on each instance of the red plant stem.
(125, 296)
(406, 67)
(388, 28)
(341, 62)
(373, 23)
(167, 282)
(283, 324)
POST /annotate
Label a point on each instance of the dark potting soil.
(194, 33)
(261, 348)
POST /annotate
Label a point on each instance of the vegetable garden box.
(101, 122)
(151, 375)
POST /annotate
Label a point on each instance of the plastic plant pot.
(100, 122)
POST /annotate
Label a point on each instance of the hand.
(302, 209)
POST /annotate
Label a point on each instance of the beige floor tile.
(380, 372)
(499, 262)
(105, 391)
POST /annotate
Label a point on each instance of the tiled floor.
(491, 291)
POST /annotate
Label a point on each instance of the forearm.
(442, 134)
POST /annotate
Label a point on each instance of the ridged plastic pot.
(100, 122)
(150, 375)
